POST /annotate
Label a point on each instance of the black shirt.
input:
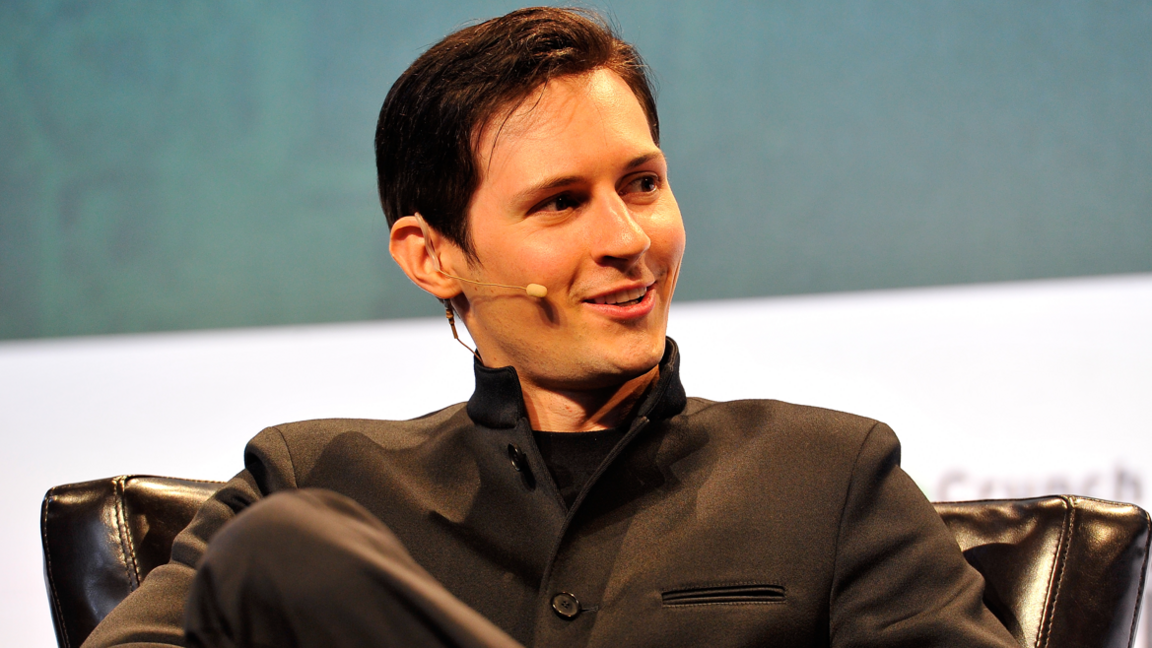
(572, 457)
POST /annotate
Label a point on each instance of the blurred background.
(193, 165)
(937, 213)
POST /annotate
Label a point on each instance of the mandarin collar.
(498, 401)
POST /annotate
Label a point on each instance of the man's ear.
(413, 245)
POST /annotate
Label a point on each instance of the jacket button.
(566, 605)
(517, 457)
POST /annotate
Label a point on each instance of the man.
(578, 498)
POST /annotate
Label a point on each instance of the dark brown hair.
(430, 123)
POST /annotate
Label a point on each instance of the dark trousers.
(314, 568)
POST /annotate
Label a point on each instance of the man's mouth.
(623, 297)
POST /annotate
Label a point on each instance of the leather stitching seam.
(125, 536)
(1059, 561)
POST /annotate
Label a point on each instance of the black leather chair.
(1061, 571)
(101, 538)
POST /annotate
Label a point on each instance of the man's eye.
(559, 203)
(644, 184)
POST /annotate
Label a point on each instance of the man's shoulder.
(776, 412)
(785, 425)
(397, 434)
(319, 426)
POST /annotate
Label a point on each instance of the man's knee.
(309, 564)
(296, 544)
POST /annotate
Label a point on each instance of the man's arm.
(153, 615)
(900, 578)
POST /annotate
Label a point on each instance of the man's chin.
(600, 380)
(618, 370)
(605, 365)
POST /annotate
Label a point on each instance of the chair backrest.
(101, 538)
(1060, 571)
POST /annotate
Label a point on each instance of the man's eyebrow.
(544, 186)
(643, 159)
(563, 181)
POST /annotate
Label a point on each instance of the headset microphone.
(533, 289)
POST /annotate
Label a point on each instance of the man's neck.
(584, 410)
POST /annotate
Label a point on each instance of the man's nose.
(620, 235)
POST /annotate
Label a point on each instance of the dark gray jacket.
(747, 523)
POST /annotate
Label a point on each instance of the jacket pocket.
(746, 593)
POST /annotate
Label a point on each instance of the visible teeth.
(622, 296)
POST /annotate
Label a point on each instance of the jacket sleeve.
(900, 578)
(153, 615)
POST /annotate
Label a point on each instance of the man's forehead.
(550, 109)
(539, 110)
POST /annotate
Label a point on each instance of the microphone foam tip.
(536, 290)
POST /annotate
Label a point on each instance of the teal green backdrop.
(171, 165)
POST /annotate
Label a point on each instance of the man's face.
(574, 195)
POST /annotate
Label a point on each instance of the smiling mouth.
(623, 297)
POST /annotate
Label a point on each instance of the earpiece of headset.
(533, 289)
